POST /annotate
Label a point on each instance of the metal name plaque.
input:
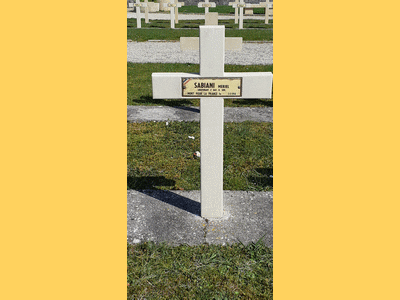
(211, 87)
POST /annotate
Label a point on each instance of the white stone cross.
(192, 43)
(146, 12)
(173, 5)
(266, 5)
(212, 85)
(176, 10)
(138, 17)
(236, 10)
(206, 5)
(240, 5)
(268, 10)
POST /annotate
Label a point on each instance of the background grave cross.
(138, 17)
(249, 85)
(176, 10)
(146, 12)
(236, 10)
(268, 10)
(240, 5)
(266, 5)
(206, 5)
(174, 5)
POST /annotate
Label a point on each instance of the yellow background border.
(63, 156)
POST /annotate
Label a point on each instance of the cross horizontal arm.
(192, 43)
(235, 5)
(249, 5)
(254, 84)
(211, 4)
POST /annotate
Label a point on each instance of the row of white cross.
(174, 5)
(239, 5)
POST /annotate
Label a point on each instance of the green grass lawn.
(168, 34)
(201, 272)
(139, 91)
(161, 156)
(194, 24)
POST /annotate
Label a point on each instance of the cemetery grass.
(168, 34)
(139, 88)
(161, 156)
(201, 272)
(194, 24)
(254, 30)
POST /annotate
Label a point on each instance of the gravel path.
(170, 52)
(140, 114)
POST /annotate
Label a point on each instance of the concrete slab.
(174, 217)
(141, 114)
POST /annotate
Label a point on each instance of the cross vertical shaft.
(241, 14)
(146, 16)
(206, 8)
(172, 12)
(138, 18)
(176, 11)
(212, 58)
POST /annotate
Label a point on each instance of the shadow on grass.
(149, 182)
(162, 102)
(263, 179)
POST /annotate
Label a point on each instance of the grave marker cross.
(138, 17)
(206, 5)
(146, 12)
(173, 5)
(268, 10)
(236, 10)
(266, 5)
(176, 10)
(240, 5)
(211, 86)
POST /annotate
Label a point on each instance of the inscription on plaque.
(211, 87)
